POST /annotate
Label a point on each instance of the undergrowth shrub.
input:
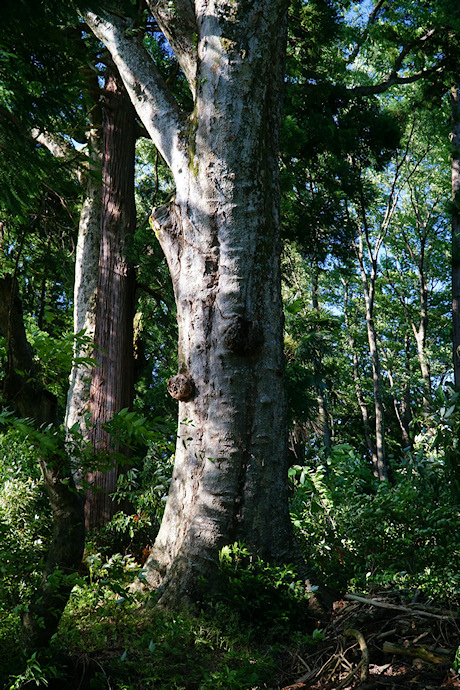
(368, 534)
(124, 642)
(270, 602)
(25, 520)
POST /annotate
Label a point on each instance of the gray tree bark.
(85, 285)
(455, 165)
(368, 282)
(220, 238)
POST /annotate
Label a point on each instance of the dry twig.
(397, 607)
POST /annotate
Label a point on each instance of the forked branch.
(154, 103)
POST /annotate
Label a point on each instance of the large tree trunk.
(455, 139)
(85, 286)
(112, 381)
(220, 238)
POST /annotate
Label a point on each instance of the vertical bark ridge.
(112, 382)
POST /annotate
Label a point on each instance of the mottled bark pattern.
(220, 238)
(455, 137)
(112, 382)
(222, 245)
(85, 285)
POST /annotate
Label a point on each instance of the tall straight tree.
(112, 379)
(455, 142)
(220, 238)
(86, 274)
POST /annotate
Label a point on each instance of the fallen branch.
(396, 607)
(364, 663)
(440, 657)
(312, 675)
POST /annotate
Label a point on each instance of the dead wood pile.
(384, 641)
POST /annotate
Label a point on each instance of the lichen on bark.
(220, 237)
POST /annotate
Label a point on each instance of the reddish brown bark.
(112, 381)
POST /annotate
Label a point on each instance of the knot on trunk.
(181, 387)
(243, 336)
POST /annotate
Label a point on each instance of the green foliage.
(442, 438)
(107, 577)
(270, 601)
(368, 534)
(146, 647)
(25, 521)
(54, 356)
(145, 482)
(146, 462)
(39, 671)
(456, 664)
(39, 88)
(337, 162)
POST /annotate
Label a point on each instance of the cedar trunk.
(112, 381)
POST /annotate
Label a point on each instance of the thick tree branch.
(394, 77)
(59, 147)
(55, 143)
(392, 80)
(147, 89)
(177, 22)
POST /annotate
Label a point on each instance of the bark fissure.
(220, 237)
(112, 378)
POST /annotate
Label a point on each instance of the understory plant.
(368, 534)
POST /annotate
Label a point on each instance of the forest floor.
(384, 641)
(381, 642)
